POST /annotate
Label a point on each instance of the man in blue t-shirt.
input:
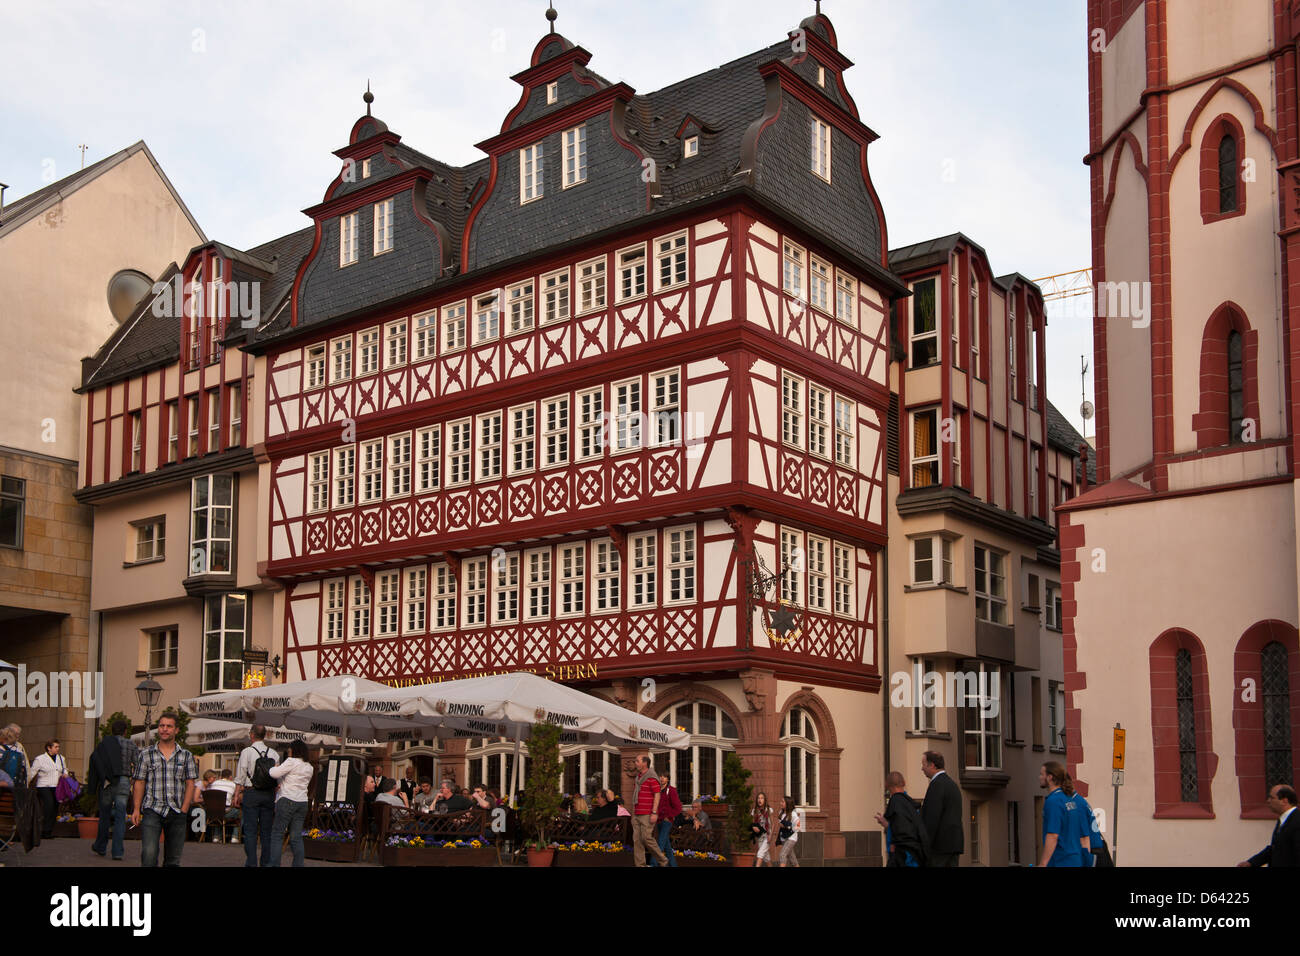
(1062, 819)
(1089, 834)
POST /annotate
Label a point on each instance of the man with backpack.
(255, 795)
(906, 841)
(112, 767)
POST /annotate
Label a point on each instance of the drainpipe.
(884, 651)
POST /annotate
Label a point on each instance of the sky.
(980, 105)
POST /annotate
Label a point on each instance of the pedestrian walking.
(1063, 827)
(906, 840)
(47, 770)
(294, 775)
(941, 812)
(1284, 846)
(791, 825)
(255, 795)
(646, 814)
(761, 829)
(112, 767)
(670, 805)
(162, 794)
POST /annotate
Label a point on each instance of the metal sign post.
(1117, 781)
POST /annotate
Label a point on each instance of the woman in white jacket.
(791, 820)
(294, 774)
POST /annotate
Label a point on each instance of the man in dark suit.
(1284, 848)
(941, 813)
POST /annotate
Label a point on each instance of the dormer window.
(821, 149)
(552, 93)
(349, 250)
(821, 76)
(575, 156)
(383, 227)
(691, 147)
(530, 173)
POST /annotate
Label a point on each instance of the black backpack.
(262, 779)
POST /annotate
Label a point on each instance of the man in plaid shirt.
(163, 792)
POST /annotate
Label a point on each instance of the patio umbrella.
(6, 666)
(220, 736)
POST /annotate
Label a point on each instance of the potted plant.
(740, 797)
(86, 811)
(542, 793)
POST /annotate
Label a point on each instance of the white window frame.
(925, 717)
(427, 476)
(552, 92)
(666, 408)
(370, 471)
(395, 351)
(792, 410)
(843, 561)
(556, 296)
(488, 460)
(453, 326)
(523, 439)
(537, 591)
(817, 560)
(223, 632)
(314, 361)
(150, 540)
(792, 565)
(137, 455)
(591, 286)
(672, 259)
(214, 419)
(415, 596)
(425, 334)
(974, 323)
(388, 603)
(318, 482)
(819, 284)
(340, 359)
(643, 570)
(1051, 616)
(575, 156)
(383, 239)
(990, 585)
(505, 606)
(359, 608)
(349, 243)
(192, 423)
(679, 565)
(442, 584)
(631, 273)
(987, 719)
(365, 168)
(846, 298)
(591, 423)
(932, 459)
(690, 147)
(555, 431)
(334, 610)
(606, 565)
(206, 545)
(846, 420)
(399, 465)
(368, 351)
(530, 173)
(487, 317)
(628, 418)
(793, 258)
(522, 305)
(173, 430)
(932, 335)
(460, 461)
(474, 609)
(821, 149)
(819, 421)
(571, 561)
(938, 559)
(344, 485)
(236, 427)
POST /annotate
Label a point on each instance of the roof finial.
(819, 8)
(368, 97)
(551, 15)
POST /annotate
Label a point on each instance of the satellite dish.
(1086, 410)
(125, 290)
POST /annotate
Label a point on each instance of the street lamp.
(148, 692)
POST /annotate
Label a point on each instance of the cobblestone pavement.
(68, 852)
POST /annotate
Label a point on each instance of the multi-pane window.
(164, 649)
(150, 539)
(372, 471)
(552, 92)
(990, 586)
(573, 578)
(1236, 388)
(792, 270)
(555, 296)
(819, 284)
(679, 565)
(192, 420)
(671, 260)
(519, 299)
(413, 600)
(690, 147)
(591, 423)
(341, 355)
(489, 446)
(821, 149)
(1185, 690)
(428, 451)
(974, 323)
(817, 561)
(426, 335)
(1275, 691)
(173, 430)
(530, 173)
(845, 412)
(383, 226)
(136, 450)
(792, 565)
(627, 414)
(925, 330)
(1053, 606)
(819, 421)
(487, 317)
(214, 419)
(523, 430)
(395, 344)
(643, 577)
(1056, 715)
(925, 448)
(575, 156)
(349, 248)
(336, 597)
(666, 408)
(195, 298)
(444, 598)
(846, 296)
(345, 481)
(538, 602)
(388, 602)
(792, 410)
(932, 560)
(843, 579)
(225, 620)
(453, 327)
(475, 571)
(236, 415)
(555, 431)
(697, 769)
(318, 482)
(368, 352)
(459, 436)
(506, 588)
(925, 695)
(591, 285)
(1227, 172)
(799, 737)
(605, 575)
(982, 717)
(360, 606)
(631, 273)
(399, 465)
(211, 504)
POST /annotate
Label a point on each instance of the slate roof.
(1061, 434)
(142, 342)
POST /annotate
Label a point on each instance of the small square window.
(691, 147)
(552, 93)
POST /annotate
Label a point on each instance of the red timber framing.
(730, 334)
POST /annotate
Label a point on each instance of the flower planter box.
(438, 856)
(696, 861)
(584, 858)
(332, 851)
